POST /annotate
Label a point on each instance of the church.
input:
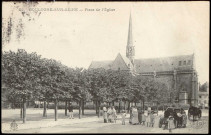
(177, 72)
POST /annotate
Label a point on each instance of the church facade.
(177, 72)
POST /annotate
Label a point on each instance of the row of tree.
(28, 76)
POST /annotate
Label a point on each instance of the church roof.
(101, 64)
(151, 64)
(126, 60)
(164, 64)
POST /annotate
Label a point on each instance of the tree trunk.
(98, 109)
(80, 109)
(65, 107)
(119, 107)
(113, 103)
(24, 110)
(21, 110)
(124, 105)
(128, 106)
(47, 104)
(135, 103)
(13, 104)
(56, 108)
(45, 110)
(143, 106)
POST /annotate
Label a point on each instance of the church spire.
(130, 36)
(130, 50)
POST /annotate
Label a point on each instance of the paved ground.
(91, 124)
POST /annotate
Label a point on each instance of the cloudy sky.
(160, 29)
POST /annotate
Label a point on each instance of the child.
(14, 125)
(123, 117)
(171, 123)
(143, 118)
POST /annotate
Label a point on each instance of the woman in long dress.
(184, 121)
(110, 114)
(105, 117)
(134, 120)
(114, 114)
(148, 120)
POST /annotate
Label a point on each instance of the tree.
(19, 71)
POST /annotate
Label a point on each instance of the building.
(177, 72)
(203, 96)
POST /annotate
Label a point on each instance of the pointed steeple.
(130, 50)
(130, 34)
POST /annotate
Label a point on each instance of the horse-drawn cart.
(195, 112)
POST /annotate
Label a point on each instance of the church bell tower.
(130, 50)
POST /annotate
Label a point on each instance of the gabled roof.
(125, 63)
(121, 62)
(101, 64)
(164, 64)
(126, 60)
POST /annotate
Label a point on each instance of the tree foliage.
(30, 76)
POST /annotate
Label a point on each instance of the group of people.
(136, 116)
(139, 117)
(109, 114)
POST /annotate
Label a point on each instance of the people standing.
(184, 121)
(170, 123)
(123, 117)
(71, 111)
(114, 114)
(143, 118)
(139, 115)
(134, 120)
(131, 115)
(110, 114)
(105, 117)
(148, 120)
(152, 119)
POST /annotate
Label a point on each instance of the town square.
(104, 67)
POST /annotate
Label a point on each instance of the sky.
(76, 38)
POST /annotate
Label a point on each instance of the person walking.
(71, 111)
